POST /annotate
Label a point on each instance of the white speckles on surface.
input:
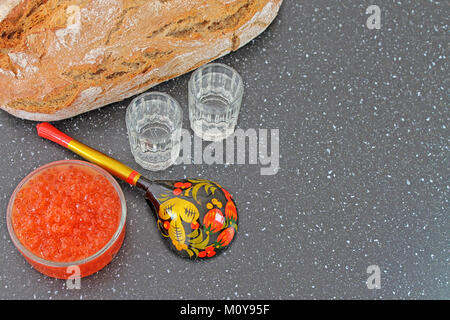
(363, 178)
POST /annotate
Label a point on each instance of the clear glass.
(154, 128)
(89, 265)
(215, 97)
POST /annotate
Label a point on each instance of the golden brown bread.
(60, 58)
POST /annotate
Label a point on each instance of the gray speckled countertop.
(364, 168)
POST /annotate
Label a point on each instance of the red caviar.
(67, 213)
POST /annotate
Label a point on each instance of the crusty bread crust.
(61, 58)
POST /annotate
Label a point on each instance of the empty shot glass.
(215, 97)
(154, 123)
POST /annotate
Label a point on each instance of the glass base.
(214, 134)
(155, 166)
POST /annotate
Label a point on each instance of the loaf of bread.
(61, 58)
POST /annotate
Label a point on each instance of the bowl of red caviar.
(67, 218)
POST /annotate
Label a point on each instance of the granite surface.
(363, 123)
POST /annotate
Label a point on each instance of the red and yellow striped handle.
(121, 171)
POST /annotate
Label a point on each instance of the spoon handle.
(118, 169)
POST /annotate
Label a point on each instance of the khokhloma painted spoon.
(197, 218)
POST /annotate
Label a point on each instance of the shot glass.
(154, 123)
(215, 97)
